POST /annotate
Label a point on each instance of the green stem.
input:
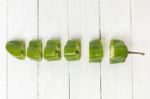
(140, 53)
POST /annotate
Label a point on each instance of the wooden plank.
(3, 56)
(53, 78)
(116, 79)
(22, 24)
(141, 41)
(84, 24)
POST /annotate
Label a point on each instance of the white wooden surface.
(128, 20)
(115, 23)
(84, 24)
(53, 76)
(22, 24)
(3, 54)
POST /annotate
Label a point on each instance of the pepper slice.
(52, 50)
(34, 50)
(119, 51)
(95, 51)
(72, 50)
(16, 48)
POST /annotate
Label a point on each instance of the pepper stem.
(140, 53)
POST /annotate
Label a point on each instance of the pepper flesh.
(52, 50)
(72, 50)
(95, 51)
(119, 51)
(34, 50)
(16, 48)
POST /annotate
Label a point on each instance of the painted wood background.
(128, 20)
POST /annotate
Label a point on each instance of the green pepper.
(34, 50)
(95, 51)
(16, 48)
(52, 50)
(119, 51)
(72, 50)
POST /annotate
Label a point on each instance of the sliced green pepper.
(95, 51)
(34, 50)
(16, 48)
(72, 50)
(119, 51)
(52, 50)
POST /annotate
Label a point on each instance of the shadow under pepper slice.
(72, 50)
(119, 51)
(52, 50)
(95, 51)
(16, 48)
(34, 50)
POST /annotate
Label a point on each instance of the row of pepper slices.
(72, 50)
